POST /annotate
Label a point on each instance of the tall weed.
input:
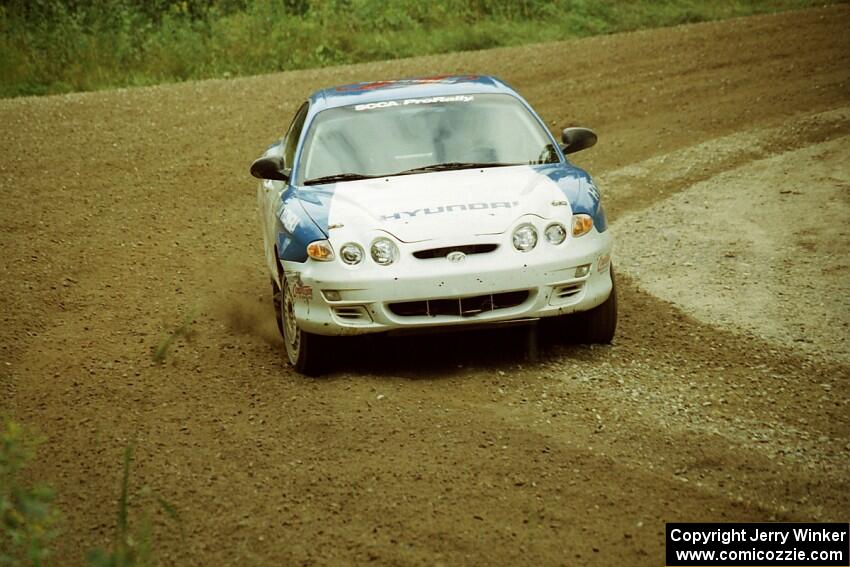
(131, 547)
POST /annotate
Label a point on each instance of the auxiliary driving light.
(525, 237)
(384, 251)
(555, 233)
(351, 254)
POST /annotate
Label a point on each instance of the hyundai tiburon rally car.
(433, 202)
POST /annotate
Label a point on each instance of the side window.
(291, 141)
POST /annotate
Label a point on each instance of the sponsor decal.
(400, 215)
(302, 292)
(290, 220)
(299, 290)
(413, 101)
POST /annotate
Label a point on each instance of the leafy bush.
(27, 520)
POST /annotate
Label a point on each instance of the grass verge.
(51, 46)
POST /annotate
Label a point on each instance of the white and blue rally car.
(432, 202)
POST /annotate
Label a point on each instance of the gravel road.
(723, 159)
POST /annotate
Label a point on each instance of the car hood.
(415, 208)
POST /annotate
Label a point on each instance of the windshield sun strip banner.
(413, 101)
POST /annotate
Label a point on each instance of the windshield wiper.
(338, 177)
(448, 166)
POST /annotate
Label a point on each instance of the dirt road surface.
(129, 214)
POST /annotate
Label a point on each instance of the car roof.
(375, 91)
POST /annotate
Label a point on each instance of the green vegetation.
(27, 520)
(184, 330)
(130, 548)
(52, 46)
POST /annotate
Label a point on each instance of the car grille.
(459, 307)
(467, 249)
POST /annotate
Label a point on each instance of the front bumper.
(496, 287)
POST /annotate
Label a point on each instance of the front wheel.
(303, 349)
(599, 324)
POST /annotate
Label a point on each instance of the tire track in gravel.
(127, 211)
(763, 244)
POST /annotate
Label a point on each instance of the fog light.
(603, 262)
(582, 271)
(331, 294)
(351, 253)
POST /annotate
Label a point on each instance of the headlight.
(525, 237)
(384, 251)
(320, 250)
(555, 233)
(351, 253)
(582, 224)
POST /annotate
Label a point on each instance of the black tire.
(532, 344)
(598, 325)
(277, 297)
(304, 350)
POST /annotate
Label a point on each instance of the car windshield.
(422, 134)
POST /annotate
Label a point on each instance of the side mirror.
(270, 167)
(577, 139)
